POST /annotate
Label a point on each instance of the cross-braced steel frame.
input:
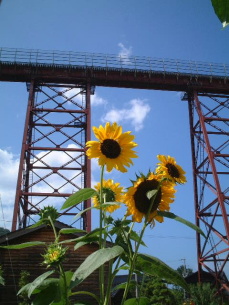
(209, 127)
(53, 164)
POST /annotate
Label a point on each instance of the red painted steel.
(120, 78)
(53, 164)
(209, 126)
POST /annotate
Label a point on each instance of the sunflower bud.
(54, 255)
(47, 212)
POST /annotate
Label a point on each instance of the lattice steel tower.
(58, 125)
(53, 163)
(209, 127)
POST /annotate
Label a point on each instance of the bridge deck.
(20, 65)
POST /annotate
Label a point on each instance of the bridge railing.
(120, 62)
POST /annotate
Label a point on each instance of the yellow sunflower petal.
(113, 192)
(113, 149)
(170, 169)
(137, 202)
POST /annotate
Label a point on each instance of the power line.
(170, 236)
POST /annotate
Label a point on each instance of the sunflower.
(54, 255)
(112, 192)
(138, 204)
(170, 169)
(114, 148)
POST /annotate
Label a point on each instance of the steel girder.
(53, 163)
(209, 127)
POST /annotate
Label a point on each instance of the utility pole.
(184, 273)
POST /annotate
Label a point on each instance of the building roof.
(21, 232)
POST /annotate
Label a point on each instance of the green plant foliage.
(93, 262)
(71, 230)
(78, 197)
(182, 220)
(138, 301)
(24, 280)
(2, 281)
(49, 293)
(221, 8)
(117, 242)
(4, 231)
(36, 283)
(153, 266)
(157, 292)
(24, 245)
(204, 294)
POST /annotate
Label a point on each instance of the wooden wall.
(30, 259)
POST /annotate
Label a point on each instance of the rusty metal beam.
(108, 77)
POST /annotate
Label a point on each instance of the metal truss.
(53, 164)
(209, 127)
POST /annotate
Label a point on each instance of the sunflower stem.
(127, 241)
(101, 244)
(86, 293)
(132, 263)
(109, 285)
(54, 229)
(65, 284)
(134, 257)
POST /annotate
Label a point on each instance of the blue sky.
(185, 30)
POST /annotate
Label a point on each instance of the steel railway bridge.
(58, 123)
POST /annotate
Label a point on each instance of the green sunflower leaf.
(86, 293)
(138, 301)
(89, 237)
(151, 194)
(221, 8)
(80, 244)
(87, 240)
(29, 288)
(78, 197)
(37, 224)
(135, 237)
(2, 282)
(151, 265)
(64, 286)
(49, 293)
(123, 285)
(71, 231)
(24, 245)
(83, 211)
(121, 241)
(93, 262)
(182, 220)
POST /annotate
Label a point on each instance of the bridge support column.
(53, 163)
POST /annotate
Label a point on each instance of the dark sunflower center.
(142, 202)
(172, 170)
(110, 148)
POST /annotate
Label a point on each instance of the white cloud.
(76, 96)
(8, 173)
(124, 55)
(124, 52)
(134, 114)
(97, 100)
